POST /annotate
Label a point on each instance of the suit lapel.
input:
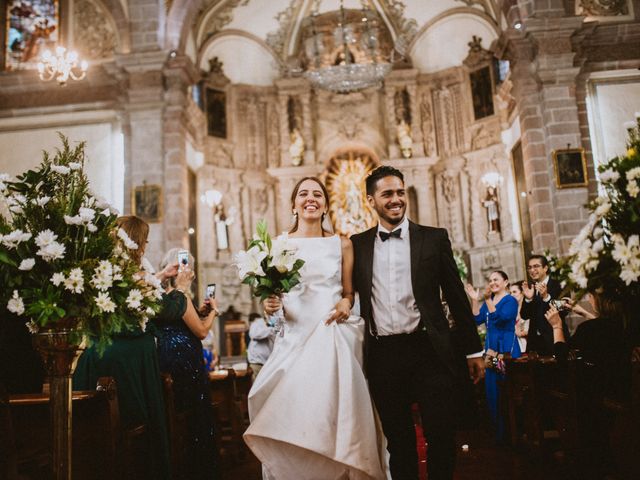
(416, 238)
(367, 255)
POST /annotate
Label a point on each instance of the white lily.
(249, 262)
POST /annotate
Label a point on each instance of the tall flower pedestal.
(60, 352)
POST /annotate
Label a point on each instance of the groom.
(399, 270)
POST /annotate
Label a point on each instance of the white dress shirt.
(393, 305)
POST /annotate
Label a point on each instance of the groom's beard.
(395, 219)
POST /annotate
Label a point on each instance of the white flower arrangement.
(605, 255)
(63, 260)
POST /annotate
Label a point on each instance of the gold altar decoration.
(348, 208)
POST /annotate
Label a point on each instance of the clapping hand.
(169, 271)
(528, 290)
(184, 279)
(474, 294)
(541, 288)
(272, 304)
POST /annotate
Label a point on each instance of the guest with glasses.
(538, 294)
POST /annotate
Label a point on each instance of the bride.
(311, 414)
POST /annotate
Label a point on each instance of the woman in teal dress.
(181, 327)
(498, 312)
(131, 359)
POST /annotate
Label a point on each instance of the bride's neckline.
(312, 238)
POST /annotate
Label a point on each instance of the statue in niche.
(296, 147)
(294, 114)
(402, 105)
(492, 206)
(448, 187)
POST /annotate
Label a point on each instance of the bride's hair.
(294, 194)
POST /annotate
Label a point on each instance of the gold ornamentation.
(349, 211)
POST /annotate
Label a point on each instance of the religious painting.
(570, 167)
(348, 209)
(482, 92)
(147, 202)
(32, 27)
(216, 113)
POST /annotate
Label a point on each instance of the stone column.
(544, 83)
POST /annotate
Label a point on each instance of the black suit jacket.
(534, 311)
(432, 269)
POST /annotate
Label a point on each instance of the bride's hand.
(272, 304)
(341, 312)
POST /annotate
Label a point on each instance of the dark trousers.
(402, 370)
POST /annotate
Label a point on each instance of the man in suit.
(538, 295)
(399, 270)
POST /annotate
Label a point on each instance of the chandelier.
(345, 50)
(61, 66)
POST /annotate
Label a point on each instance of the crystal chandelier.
(344, 50)
(61, 66)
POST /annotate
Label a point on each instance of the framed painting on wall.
(146, 202)
(570, 166)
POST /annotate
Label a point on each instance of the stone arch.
(121, 21)
(179, 21)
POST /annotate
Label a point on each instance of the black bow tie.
(384, 236)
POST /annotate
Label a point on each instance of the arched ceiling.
(239, 32)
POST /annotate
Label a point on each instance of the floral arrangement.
(463, 271)
(63, 261)
(605, 256)
(269, 266)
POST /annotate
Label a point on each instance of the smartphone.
(211, 291)
(183, 259)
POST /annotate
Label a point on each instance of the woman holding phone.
(181, 328)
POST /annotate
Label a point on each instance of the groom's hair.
(381, 172)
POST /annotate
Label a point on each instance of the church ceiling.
(274, 26)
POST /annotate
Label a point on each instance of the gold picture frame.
(570, 166)
(146, 202)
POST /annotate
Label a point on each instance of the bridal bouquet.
(270, 266)
(63, 261)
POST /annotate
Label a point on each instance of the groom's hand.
(476, 369)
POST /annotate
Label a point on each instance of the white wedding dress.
(311, 413)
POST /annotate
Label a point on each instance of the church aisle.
(484, 460)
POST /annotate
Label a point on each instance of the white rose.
(609, 176)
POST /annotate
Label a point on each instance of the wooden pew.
(177, 428)
(96, 433)
(227, 418)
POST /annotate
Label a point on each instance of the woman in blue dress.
(498, 312)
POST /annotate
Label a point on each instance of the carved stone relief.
(406, 28)
(220, 17)
(428, 132)
(286, 19)
(602, 8)
(93, 31)
(273, 136)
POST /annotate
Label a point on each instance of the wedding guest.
(131, 359)
(181, 327)
(522, 325)
(260, 346)
(537, 295)
(606, 350)
(498, 311)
